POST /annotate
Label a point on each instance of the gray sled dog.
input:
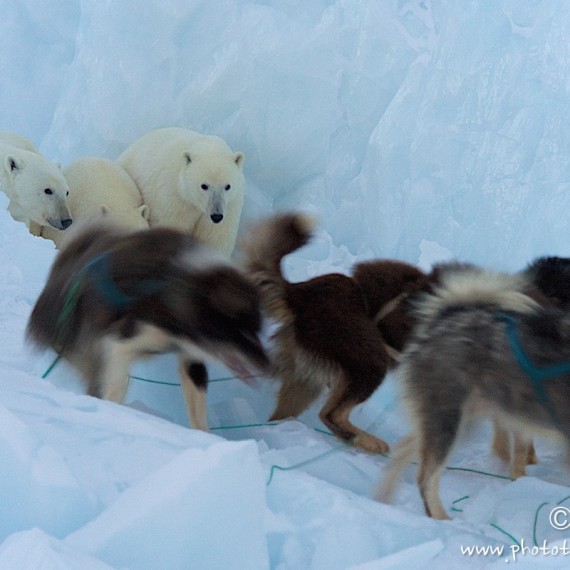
(482, 346)
(113, 297)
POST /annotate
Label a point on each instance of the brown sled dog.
(113, 297)
(325, 335)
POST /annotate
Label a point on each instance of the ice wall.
(396, 121)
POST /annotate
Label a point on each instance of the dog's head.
(551, 275)
(218, 309)
(230, 316)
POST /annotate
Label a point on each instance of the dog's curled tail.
(266, 244)
(472, 285)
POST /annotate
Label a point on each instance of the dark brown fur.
(329, 333)
(551, 275)
(388, 286)
(179, 297)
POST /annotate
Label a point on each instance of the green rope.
(496, 526)
(235, 378)
(385, 455)
(51, 367)
(319, 430)
(160, 382)
(149, 380)
(536, 523)
(454, 508)
(325, 432)
(244, 426)
(303, 463)
(466, 469)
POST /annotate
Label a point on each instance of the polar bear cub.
(101, 190)
(36, 187)
(190, 181)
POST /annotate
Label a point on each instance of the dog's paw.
(370, 443)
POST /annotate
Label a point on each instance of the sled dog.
(326, 336)
(482, 345)
(113, 297)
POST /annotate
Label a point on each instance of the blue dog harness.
(99, 271)
(537, 375)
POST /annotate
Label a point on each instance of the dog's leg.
(438, 434)
(429, 477)
(335, 415)
(523, 455)
(296, 394)
(194, 378)
(402, 456)
(501, 442)
(111, 377)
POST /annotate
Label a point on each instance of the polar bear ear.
(239, 158)
(144, 211)
(12, 164)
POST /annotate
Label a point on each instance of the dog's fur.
(327, 334)
(552, 276)
(180, 297)
(459, 357)
(389, 287)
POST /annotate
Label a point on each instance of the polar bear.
(190, 181)
(101, 189)
(36, 188)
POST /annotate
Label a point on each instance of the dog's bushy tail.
(266, 244)
(471, 285)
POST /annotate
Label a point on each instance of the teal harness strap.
(536, 375)
(99, 272)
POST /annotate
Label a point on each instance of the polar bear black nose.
(66, 223)
(217, 218)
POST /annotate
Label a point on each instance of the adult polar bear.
(190, 181)
(36, 188)
(101, 190)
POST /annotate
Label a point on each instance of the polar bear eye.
(48, 191)
(228, 186)
(204, 186)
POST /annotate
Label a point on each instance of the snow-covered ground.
(417, 130)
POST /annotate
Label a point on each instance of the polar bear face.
(133, 219)
(211, 181)
(37, 190)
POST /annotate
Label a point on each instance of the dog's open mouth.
(238, 366)
(244, 369)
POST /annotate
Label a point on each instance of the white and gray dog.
(113, 297)
(482, 346)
